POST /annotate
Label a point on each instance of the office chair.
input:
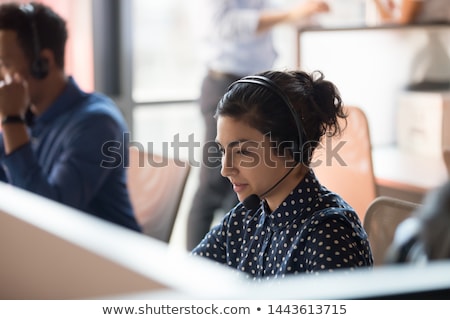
(446, 155)
(156, 185)
(350, 173)
(380, 222)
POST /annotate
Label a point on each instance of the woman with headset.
(268, 126)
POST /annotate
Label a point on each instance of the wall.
(373, 66)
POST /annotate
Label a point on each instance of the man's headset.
(252, 201)
(39, 65)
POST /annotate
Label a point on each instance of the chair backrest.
(156, 185)
(344, 163)
(381, 220)
(446, 155)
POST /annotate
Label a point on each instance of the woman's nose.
(228, 168)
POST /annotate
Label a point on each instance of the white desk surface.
(408, 171)
(50, 251)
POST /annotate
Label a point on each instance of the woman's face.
(248, 160)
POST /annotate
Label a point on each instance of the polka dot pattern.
(313, 230)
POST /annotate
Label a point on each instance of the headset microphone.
(253, 201)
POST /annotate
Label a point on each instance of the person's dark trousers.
(214, 191)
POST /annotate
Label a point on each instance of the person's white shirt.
(231, 44)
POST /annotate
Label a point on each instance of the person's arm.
(236, 22)
(296, 14)
(71, 172)
(15, 135)
(385, 10)
(408, 10)
(213, 244)
(13, 103)
(2, 154)
(338, 243)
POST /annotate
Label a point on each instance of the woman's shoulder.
(239, 212)
(342, 219)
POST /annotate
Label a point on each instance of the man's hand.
(14, 97)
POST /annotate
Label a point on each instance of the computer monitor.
(51, 251)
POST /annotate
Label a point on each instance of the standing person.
(268, 127)
(240, 44)
(55, 137)
(413, 11)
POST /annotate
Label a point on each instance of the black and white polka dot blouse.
(313, 230)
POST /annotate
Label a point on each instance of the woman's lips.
(239, 187)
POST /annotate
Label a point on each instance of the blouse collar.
(295, 206)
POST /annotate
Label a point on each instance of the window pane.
(174, 130)
(166, 40)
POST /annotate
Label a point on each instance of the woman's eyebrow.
(236, 142)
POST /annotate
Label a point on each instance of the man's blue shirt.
(64, 161)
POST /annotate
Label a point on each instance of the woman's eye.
(243, 152)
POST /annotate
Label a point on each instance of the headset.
(39, 65)
(273, 87)
(252, 202)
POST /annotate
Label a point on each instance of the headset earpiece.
(39, 68)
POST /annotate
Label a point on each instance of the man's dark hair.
(51, 31)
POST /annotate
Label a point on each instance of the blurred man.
(54, 136)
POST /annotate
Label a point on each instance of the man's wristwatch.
(12, 119)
